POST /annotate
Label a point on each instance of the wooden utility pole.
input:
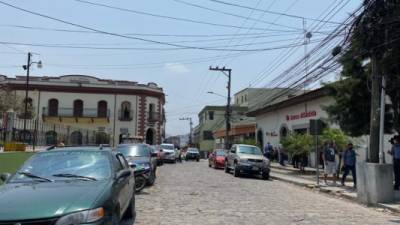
(227, 73)
(191, 129)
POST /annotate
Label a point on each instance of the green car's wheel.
(131, 212)
(152, 178)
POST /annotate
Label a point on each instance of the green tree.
(297, 144)
(9, 100)
(373, 34)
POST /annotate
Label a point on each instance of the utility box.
(316, 127)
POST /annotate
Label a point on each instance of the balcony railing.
(71, 112)
(125, 116)
(154, 117)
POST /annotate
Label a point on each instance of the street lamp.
(27, 68)
(191, 128)
(213, 93)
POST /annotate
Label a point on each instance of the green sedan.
(67, 187)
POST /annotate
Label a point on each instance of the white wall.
(272, 122)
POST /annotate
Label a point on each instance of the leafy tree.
(9, 100)
(374, 34)
(298, 144)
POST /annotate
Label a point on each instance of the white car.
(170, 153)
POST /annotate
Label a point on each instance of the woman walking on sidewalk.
(349, 164)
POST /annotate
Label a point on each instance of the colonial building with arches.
(111, 107)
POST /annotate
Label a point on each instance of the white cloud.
(176, 68)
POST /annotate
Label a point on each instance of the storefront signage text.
(301, 116)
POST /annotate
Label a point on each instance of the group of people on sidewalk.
(349, 163)
(328, 158)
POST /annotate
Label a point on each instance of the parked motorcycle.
(141, 176)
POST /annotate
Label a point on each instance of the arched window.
(76, 138)
(51, 138)
(126, 113)
(102, 138)
(102, 109)
(53, 107)
(152, 116)
(78, 108)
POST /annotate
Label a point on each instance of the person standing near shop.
(329, 158)
(268, 151)
(349, 164)
(395, 152)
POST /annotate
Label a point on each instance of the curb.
(332, 193)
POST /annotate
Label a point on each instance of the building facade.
(212, 118)
(291, 114)
(113, 107)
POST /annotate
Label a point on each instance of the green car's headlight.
(87, 216)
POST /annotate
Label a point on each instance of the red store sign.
(301, 116)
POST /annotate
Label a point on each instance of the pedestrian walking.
(268, 150)
(329, 157)
(349, 164)
(395, 152)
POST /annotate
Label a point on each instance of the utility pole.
(375, 110)
(27, 67)
(227, 73)
(191, 129)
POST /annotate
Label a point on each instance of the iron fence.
(36, 133)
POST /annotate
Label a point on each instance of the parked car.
(247, 159)
(141, 155)
(192, 153)
(217, 159)
(169, 153)
(69, 186)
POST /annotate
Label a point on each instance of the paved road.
(192, 194)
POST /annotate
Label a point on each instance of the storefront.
(276, 120)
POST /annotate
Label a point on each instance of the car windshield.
(194, 150)
(168, 147)
(134, 151)
(91, 164)
(252, 150)
(220, 153)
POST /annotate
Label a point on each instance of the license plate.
(255, 168)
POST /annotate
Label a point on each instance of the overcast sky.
(182, 72)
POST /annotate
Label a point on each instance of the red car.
(217, 159)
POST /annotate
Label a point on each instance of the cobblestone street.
(191, 193)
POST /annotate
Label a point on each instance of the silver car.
(169, 152)
(247, 159)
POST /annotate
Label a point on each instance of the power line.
(216, 48)
(277, 33)
(272, 12)
(234, 15)
(168, 17)
(135, 38)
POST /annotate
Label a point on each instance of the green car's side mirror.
(4, 176)
(123, 174)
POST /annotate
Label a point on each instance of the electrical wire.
(170, 17)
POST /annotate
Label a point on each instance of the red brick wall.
(142, 115)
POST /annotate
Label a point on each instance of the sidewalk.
(308, 179)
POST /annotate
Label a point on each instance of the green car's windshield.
(252, 150)
(193, 150)
(92, 164)
(134, 151)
